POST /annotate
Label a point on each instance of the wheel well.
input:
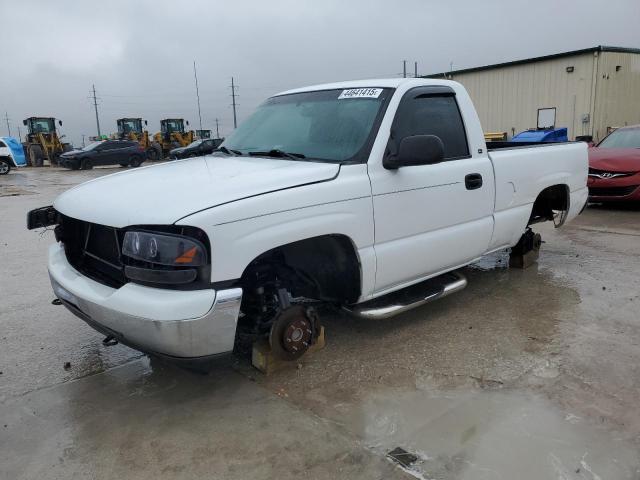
(551, 204)
(322, 268)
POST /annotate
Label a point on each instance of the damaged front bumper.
(189, 325)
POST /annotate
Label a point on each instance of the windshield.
(91, 146)
(173, 126)
(195, 143)
(128, 126)
(329, 125)
(42, 125)
(622, 138)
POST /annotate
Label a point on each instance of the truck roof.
(370, 83)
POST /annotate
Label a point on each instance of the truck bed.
(500, 145)
(523, 171)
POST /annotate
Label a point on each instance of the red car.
(614, 167)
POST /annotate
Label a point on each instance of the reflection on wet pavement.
(488, 434)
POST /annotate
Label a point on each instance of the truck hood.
(615, 159)
(163, 194)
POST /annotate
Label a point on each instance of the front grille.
(607, 174)
(612, 191)
(94, 250)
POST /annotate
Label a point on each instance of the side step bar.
(408, 298)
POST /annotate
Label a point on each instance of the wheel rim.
(4, 168)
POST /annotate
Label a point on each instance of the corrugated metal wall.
(617, 92)
(508, 98)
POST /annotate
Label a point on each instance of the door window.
(423, 113)
(112, 145)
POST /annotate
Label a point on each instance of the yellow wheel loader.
(42, 143)
(131, 129)
(173, 135)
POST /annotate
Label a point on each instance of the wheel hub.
(292, 332)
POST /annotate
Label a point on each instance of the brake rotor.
(292, 333)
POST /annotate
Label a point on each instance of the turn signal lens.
(164, 249)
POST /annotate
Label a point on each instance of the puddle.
(496, 260)
(481, 434)
(15, 190)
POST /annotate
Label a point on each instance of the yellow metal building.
(592, 90)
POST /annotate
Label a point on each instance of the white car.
(11, 155)
(366, 195)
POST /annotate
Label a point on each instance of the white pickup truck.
(366, 195)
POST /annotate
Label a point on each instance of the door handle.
(473, 181)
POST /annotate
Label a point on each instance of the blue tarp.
(550, 135)
(16, 150)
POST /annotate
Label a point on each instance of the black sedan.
(107, 152)
(195, 149)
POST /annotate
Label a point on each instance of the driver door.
(103, 154)
(430, 218)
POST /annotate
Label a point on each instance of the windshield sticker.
(360, 93)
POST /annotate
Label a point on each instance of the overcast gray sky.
(140, 54)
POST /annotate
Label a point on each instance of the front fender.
(241, 231)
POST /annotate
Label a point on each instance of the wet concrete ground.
(525, 374)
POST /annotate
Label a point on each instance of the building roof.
(599, 48)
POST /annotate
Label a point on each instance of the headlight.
(164, 249)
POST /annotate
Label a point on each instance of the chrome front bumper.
(183, 324)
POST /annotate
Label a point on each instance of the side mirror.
(24, 122)
(416, 150)
(145, 122)
(60, 122)
(187, 122)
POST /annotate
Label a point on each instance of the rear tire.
(154, 153)
(36, 156)
(5, 166)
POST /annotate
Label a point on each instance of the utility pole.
(83, 140)
(415, 69)
(404, 69)
(233, 99)
(95, 106)
(6, 116)
(195, 74)
(19, 134)
(217, 129)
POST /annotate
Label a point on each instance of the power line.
(233, 99)
(95, 106)
(195, 75)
